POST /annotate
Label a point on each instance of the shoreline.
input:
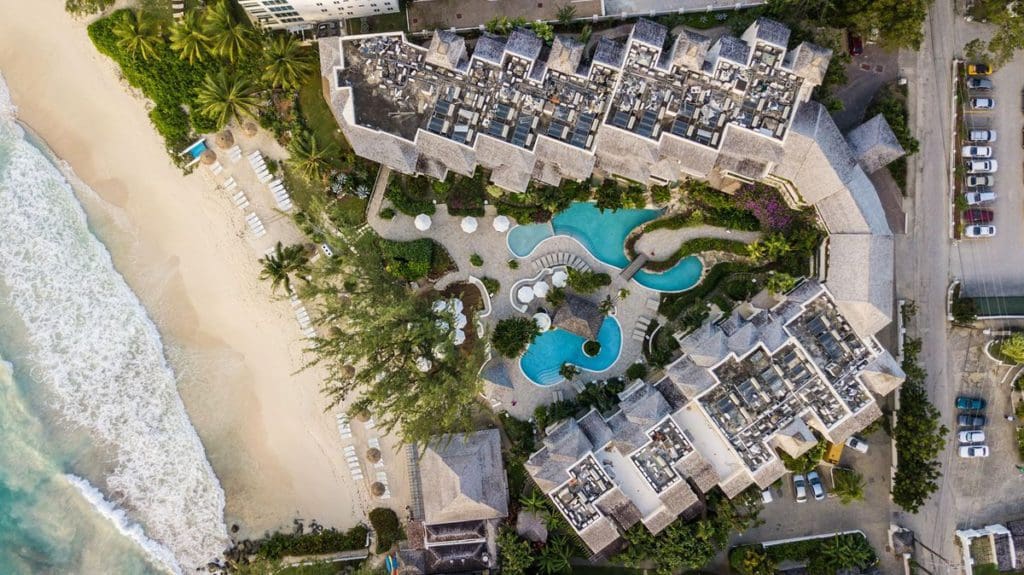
(235, 349)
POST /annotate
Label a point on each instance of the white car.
(980, 231)
(972, 451)
(816, 486)
(800, 485)
(971, 436)
(975, 198)
(981, 136)
(978, 181)
(976, 152)
(983, 103)
(982, 166)
(856, 443)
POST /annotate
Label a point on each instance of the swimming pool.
(198, 150)
(604, 235)
(545, 356)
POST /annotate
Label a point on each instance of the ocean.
(100, 469)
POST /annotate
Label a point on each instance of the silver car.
(976, 152)
(981, 197)
(816, 486)
(971, 436)
(800, 486)
(972, 451)
(978, 181)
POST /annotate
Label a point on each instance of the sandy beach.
(235, 347)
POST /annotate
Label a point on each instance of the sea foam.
(97, 355)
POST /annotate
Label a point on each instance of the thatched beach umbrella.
(348, 372)
(377, 489)
(225, 139)
(208, 157)
(250, 128)
(373, 455)
(363, 415)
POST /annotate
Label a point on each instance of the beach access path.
(236, 348)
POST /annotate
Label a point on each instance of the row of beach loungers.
(284, 201)
(640, 329)
(561, 259)
(353, 462)
(303, 316)
(255, 225)
(352, 456)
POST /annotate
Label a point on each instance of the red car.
(978, 216)
(855, 44)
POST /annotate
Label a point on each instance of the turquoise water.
(543, 360)
(101, 470)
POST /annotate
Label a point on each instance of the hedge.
(387, 528)
(327, 541)
(696, 246)
(408, 260)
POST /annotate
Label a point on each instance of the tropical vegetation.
(848, 485)
(1011, 348)
(587, 281)
(512, 335)
(282, 263)
(226, 96)
(823, 556)
(386, 527)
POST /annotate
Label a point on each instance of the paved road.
(923, 259)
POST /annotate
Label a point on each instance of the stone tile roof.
(860, 276)
(809, 61)
(650, 33)
(772, 32)
(446, 49)
(874, 144)
(689, 50)
(489, 48)
(564, 445)
(523, 42)
(600, 534)
(733, 49)
(699, 470)
(466, 478)
(620, 508)
(609, 52)
(855, 209)
(566, 54)
(736, 484)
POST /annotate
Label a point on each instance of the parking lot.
(785, 518)
(992, 266)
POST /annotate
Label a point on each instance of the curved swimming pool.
(604, 235)
(545, 356)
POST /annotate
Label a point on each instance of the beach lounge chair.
(216, 168)
(310, 333)
(370, 423)
(235, 153)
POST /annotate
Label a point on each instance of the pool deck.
(524, 396)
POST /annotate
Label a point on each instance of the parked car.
(982, 196)
(978, 69)
(978, 216)
(800, 485)
(855, 43)
(971, 436)
(983, 103)
(816, 486)
(980, 231)
(976, 152)
(972, 451)
(965, 420)
(981, 136)
(975, 403)
(982, 166)
(856, 443)
(979, 83)
(977, 181)
(766, 496)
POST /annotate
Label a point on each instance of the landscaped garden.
(828, 555)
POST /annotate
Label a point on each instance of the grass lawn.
(394, 22)
(318, 116)
(316, 569)
(301, 190)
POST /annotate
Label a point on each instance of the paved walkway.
(660, 244)
(490, 245)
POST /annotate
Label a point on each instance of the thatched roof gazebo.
(378, 489)
(208, 157)
(579, 316)
(250, 128)
(373, 455)
(225, 139)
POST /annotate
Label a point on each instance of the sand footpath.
(183, 250)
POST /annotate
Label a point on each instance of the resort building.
(775, 375)
(463, 496)
(998, 545)
(651, 109)
(303, 14)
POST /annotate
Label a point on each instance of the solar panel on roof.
(620, 119)
(647, 123)
(679, 128)
(435, 124)
(495, 129)
(443, 106)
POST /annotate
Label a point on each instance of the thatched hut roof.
(377, 489)
(208, 157)
(373, 455)
(225, 139)
(250, 128)
(579, 316)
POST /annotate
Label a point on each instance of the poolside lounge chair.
(235, 153)
(216, 168)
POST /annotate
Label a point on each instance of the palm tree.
(229, 37)
(309, 158)
(554, 558)
(843, 552)
(223, 97)
(566, 13)
(287, 62)
(535, 502)
(137, 35)
(780, 282)
(278, 266)
(188, 39)
(776, 245)
(849, 485)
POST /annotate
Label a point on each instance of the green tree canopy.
(1013, 347)
(516, 554)
(286, 62)
(282, 263)
(849, 485)
(137, 35)
(512, 335)
(311, 159)
(188, 39)
(224, 95)
(587, 282)
(230, 38)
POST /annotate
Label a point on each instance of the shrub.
(387, 527)
(513, 264)
(465, 196)
(636, 371)
(963, 309)
(476, 259)
(387, 214)
(408, 260)
(806, 462)
(411, 196)
(86, 7)
(609, 196)
(751, 560)
(587, 282)
(767, 205)
(512, 335)
(568, 371)
(492, 285)
(592, 347)
(661, 194)
(312, 543)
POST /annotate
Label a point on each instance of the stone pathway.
(660, 244)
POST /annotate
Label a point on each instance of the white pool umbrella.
(423, 364)
(456, 306)
(460, 337)
(439, 306)
(542, 320)
(501, 224)
(540, 289)
(422, 222)
(525, 294)
(469, 224)
(442, 325)
(461, 321)
(559, 278)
